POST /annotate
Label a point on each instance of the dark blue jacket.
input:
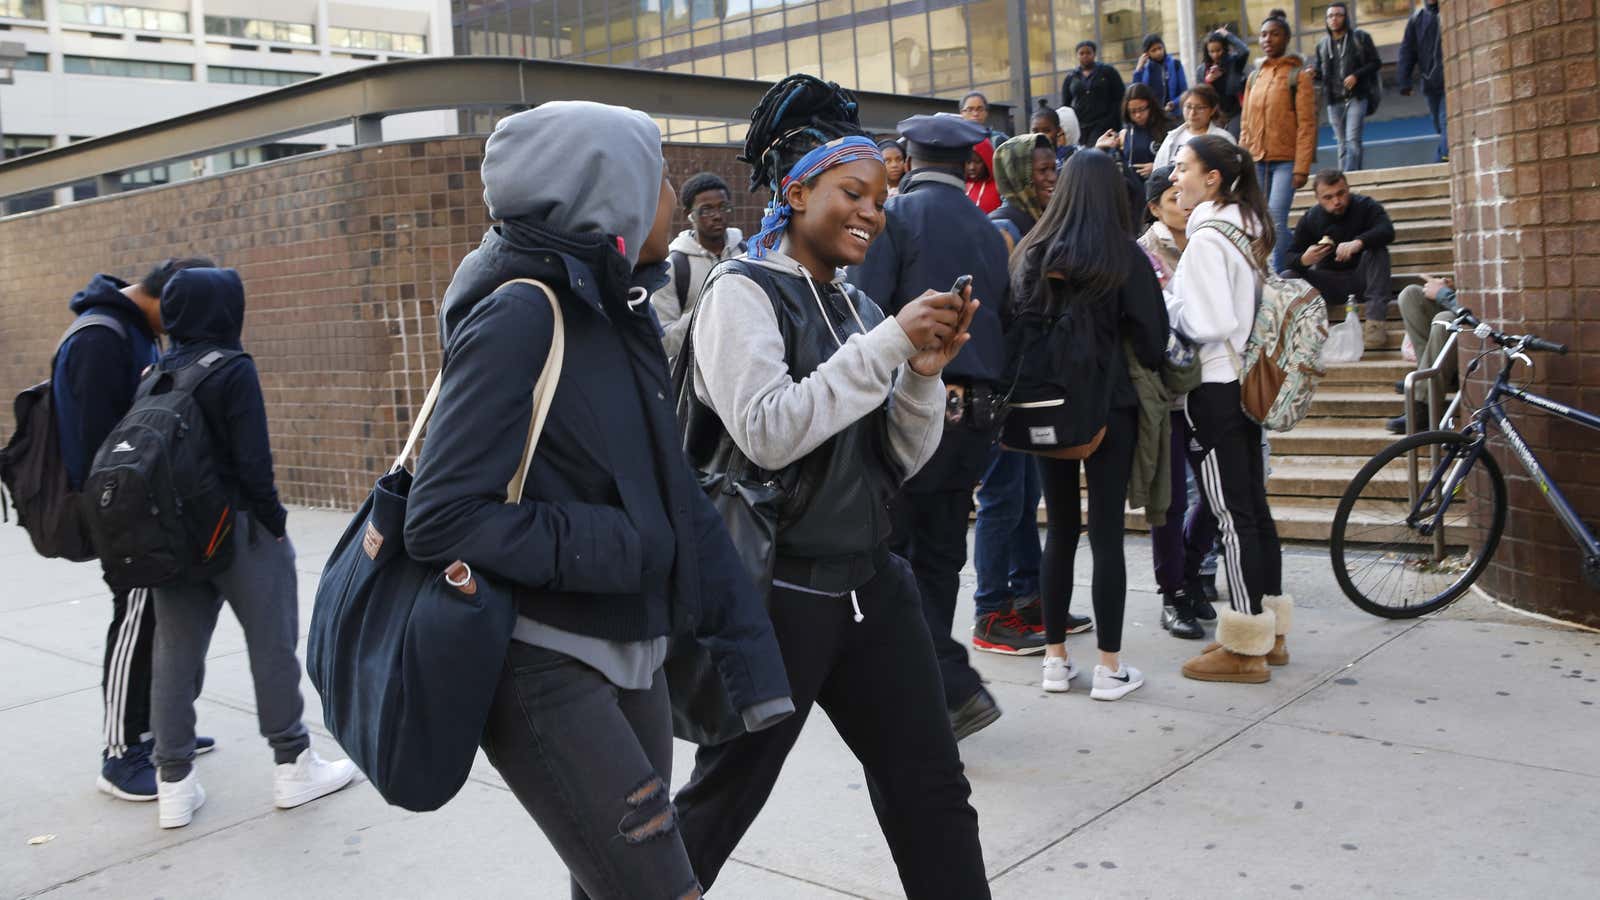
(613, 537)
(202, 310)
(933, 235)
(1176, 83)
(1422, 52)
(96, 373)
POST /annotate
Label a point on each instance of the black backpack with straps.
(32, 470)
(156, 508)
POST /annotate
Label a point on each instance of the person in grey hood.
(613, 547)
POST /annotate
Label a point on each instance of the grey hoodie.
(674, 317)
(575, 166)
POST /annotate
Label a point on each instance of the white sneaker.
(1109, 685)
(308, 778)
(176, 801)
(1058, 674)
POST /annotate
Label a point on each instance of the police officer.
(933, 236)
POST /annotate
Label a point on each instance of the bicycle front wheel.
(1394, 554)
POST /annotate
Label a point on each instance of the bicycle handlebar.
(1469, 322)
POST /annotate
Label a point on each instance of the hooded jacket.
(1020, 205)
(1275, 128)
(1096, 96)
(1175, 83)
(201, 310)
(97, 371)
(1421, 52)
(612, 539)
(1354, 55)
(984, 192)
(670, 312)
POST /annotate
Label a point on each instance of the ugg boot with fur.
(1240, 656)
(1282, 609)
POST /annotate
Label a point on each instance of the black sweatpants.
(1226, 452)
(125, 675)
(878, 682)
(590, 762)
(1108, 472)
(930, 531)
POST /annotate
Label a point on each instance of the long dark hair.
(1080, 241)
(1239, 186)
(1157, 123)
(797, 115)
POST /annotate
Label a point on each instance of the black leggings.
(1108, 470)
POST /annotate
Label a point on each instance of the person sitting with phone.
(1423, 306)
(1341, 246)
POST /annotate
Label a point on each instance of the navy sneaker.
(130, 776)
(204, 744)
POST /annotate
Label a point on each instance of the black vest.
(833, 533)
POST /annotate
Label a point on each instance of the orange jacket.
(1268, 127)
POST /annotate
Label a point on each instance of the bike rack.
(1435, 418)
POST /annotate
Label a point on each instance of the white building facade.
(93, 68)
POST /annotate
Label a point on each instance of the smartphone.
(961, 284)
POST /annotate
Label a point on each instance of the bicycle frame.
(1492, 413)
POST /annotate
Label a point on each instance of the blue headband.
(834, 153)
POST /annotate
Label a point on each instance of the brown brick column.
(1524, 135)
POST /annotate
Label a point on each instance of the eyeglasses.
(1135, 110)
(705, 212)
(1195, 107)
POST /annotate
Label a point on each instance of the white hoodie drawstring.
(637, 296)
(856, 605)
(824, 310)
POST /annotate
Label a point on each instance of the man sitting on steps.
(1341, 246)
(1421, 306)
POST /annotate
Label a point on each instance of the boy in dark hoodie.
(202, 309)
(96, 372)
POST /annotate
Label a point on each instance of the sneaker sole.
(181, 821)
(1057, 687)
(311, 793)
(106, 787)
(1080, 629)
(1116, 693)
(988, 647)
(979, 725)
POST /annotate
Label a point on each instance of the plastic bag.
(1344, 341)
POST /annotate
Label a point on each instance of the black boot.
(1199, 595)
(1177, 616)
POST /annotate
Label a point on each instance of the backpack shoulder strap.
(680, 276)
(190, 376)
(83, 322)
(1233, 233)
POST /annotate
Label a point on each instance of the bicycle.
(1402, 547)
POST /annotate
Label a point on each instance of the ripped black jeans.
(590, 762)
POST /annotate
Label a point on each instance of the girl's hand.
(930, 363)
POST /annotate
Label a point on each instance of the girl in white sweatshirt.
(1212, 299)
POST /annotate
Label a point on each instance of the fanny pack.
(978, 407)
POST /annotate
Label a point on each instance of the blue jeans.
(1277, 179)
(1436, 110)
(1005, 543)
(1348, 118)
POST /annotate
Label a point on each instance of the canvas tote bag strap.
(544, 391)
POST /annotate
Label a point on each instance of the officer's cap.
(941, 138)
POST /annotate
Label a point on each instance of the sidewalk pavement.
(1453, 757)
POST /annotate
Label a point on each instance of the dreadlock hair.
(799, 114)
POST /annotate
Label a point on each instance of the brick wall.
(344, 256)
(1525, 149)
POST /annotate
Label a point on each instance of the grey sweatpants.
(260, 586)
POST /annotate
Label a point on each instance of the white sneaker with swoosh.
(1109, 685)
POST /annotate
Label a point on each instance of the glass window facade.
(127, 68)
(21, 9)
(264, 77)
(261, 30)
(33, 62)
(397, 42)
(111, 15)
(938, 48)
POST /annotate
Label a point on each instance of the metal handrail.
(1433, 374)
(366, 95)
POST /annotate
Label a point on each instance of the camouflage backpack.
(1279, 372)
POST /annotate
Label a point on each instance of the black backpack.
(32, 470)
(156, 508)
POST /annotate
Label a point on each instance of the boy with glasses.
(694, 253)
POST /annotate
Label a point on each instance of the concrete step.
(1354, 404)
(1439, 255)
(1401, 212)
(1334, 437)
(1377, 372)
